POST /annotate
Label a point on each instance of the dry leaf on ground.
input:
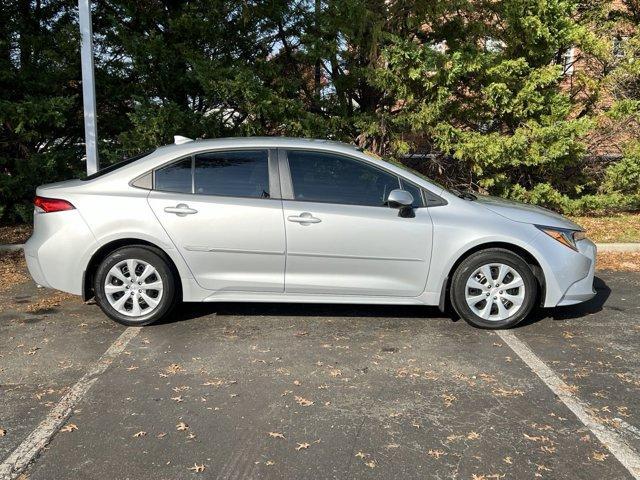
(12, 234)
(69, 427)
(620, 261)
(198, 468)
(275, 435)
(303, 401)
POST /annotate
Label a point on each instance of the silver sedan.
(293, 220)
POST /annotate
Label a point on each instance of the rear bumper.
(582, 290)
(55, 251)
(34, 267)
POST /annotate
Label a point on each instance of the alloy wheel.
(133, 287)
(495, 291)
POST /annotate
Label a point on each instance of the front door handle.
(304, 218)
(181, 210)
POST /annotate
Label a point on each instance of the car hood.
(522, 212)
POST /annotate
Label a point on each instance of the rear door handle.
(181, 210)
(304, 218)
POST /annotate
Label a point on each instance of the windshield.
(117, 165)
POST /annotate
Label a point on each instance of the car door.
(223, 212)
(342, 238)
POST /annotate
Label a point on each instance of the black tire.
(156, 259)
(475, 261)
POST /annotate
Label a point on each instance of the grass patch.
(617, 228)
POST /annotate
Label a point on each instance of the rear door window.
(242, 173)
(175, 177)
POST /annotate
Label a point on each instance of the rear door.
(223, 212)
(342, 239)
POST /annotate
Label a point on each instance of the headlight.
(564, 236)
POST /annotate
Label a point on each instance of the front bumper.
(582, 290)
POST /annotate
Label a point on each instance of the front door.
(217, 209)
(342, 239)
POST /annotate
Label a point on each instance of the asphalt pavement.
(238, 391)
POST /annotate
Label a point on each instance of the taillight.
(48, 205)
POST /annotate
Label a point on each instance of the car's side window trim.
(273, 168)
(286, 184)
(423, 203)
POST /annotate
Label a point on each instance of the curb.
(602, 247)
(618, 247)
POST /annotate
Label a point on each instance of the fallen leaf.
(303, 401)
(473, 436)
(177, 399)
(3, 432)
(139, 434)
(161, 435)
(371, 464)
(182, 426)
(361, 454)
(448, 399)
(599, 457)
(275, 435)
(174, 368)
(507, 460)
(69, 427)
(198, 468)
(303, 446)
(436, 453)
(503, 392)
(268, 463)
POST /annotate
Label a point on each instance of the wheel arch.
(527, 256)
(101, 253)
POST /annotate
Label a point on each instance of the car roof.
(244, 142)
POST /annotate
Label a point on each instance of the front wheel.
(493, 288)
(135, 286)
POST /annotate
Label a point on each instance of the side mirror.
(402, 200)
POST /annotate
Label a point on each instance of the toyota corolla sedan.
(294, 220)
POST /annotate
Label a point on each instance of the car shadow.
(188, 311)
(595, 305)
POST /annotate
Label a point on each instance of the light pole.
(88, 86)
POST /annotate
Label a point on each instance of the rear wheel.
(493, 288)
(135, 286)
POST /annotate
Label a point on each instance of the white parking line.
(42, 435)
(625, 454)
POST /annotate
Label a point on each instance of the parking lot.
(319, 391)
